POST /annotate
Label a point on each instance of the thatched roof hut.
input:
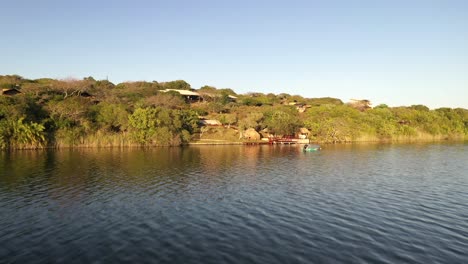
(251, 134)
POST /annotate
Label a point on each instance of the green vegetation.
(89, 112)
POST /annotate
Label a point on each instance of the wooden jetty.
(278, 140)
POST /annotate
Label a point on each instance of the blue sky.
(394, 52)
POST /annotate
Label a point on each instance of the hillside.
(63, 113)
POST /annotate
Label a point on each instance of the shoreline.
(239, 143)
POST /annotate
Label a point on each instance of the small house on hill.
(190, 96)
(85, 94)
(209, 122)
(232, 98)
(301, 108)
(10, 91)
(361, 105)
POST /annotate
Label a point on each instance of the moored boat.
(310, 148)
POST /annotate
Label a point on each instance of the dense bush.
(51, 113)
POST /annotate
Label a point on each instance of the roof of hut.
(182, 92)
(210, 122)
(10, 91)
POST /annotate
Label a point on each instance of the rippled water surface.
(236, 204)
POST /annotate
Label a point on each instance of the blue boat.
(310, 148)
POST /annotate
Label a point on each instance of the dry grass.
(220, 133)
(419, 137)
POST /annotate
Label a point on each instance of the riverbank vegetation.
(65, 113)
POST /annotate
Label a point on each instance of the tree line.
(47, 112)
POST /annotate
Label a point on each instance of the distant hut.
(251, 134)
(360, 105)
(209, 122)
(85, 94)
(232, 98)
(10, 91)
(190, 96)
(301, 108)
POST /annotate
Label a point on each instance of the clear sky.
(398, 52)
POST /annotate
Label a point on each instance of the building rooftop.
(182, 92)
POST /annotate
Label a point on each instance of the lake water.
(395, 203)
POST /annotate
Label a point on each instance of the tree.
(172, 100)
(112, 117)
(283, 123)
(250, 120)
(381, 106)
(324, 101)
(161, 126)
(177, 85)
(420, 108)
(228, 119)
(189, 120)
(72, 87)
(333, 123)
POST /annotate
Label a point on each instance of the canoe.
(310, 148)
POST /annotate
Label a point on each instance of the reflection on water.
(231, 204)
